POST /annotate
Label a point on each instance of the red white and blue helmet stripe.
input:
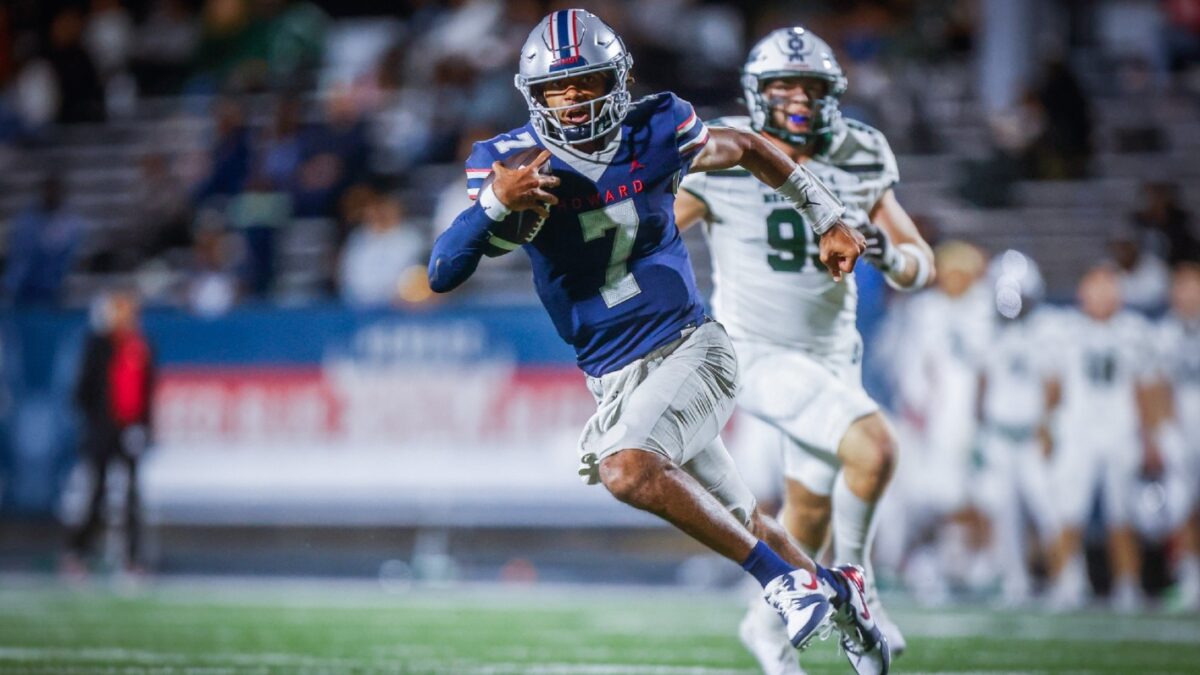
(564, 33)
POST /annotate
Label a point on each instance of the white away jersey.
(1179, 362)
(1101, 364)
(769, 283)
(943, 342)
(1179, 352)
(1018, 362)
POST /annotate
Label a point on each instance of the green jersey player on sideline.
(794, 328)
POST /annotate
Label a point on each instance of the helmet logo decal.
(797, 46)
(565, 33)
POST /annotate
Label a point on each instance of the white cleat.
(763, 635)
(1127, 598)
(1187, 596)
(864, 643)
(1070, 591)
(799, 600)
(891, 631)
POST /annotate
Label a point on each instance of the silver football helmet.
(787, 53)
(567, 43)
(1017, 282)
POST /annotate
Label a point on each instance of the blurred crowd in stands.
(354, 117)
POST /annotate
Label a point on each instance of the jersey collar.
(591, 165)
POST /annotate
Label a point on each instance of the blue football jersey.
(609, 264)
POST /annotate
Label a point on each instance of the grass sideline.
(203, 627)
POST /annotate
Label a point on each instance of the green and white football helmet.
(792, 53)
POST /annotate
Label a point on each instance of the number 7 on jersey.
(619, 284)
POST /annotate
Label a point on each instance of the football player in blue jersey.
(613, 273)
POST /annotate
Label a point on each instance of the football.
(520, 227)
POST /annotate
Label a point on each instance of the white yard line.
(200, 663)
(1033, 626)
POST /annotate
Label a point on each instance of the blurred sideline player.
(1179, 339)
(792, 326)
(1017, 391)
(935, 341)
(611, 269)
(1108, 439)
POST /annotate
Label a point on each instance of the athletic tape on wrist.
(819, 207)
(492, 205)
(918, 258)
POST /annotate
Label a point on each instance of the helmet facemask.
(605, 113)
(824, 118)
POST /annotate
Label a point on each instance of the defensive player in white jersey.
(1179, 341)
(1107, 439)
(1016, 396)
(793, 330)
(932, 342)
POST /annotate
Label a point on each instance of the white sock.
(853, 521)
(1126, 588)
(1074, 574)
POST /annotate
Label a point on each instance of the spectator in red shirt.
(114, 393)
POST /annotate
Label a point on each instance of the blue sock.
(765, 564)
(843, 593)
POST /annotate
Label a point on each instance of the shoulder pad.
(508, 143)
(647, 106)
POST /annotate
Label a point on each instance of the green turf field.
(209, 627)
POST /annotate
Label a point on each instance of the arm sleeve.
(690, 132)
(457, 251)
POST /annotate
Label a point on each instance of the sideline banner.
(462, 416)
(457, 416)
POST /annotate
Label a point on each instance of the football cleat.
(865, 646)
(891, 632)
(1069, 591)
(799, 600)
(1127, 597)
(762, 633)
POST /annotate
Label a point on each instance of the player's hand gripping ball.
(520, 227)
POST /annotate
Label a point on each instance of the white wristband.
(819, 207)
(492, 205)
(918, 258)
